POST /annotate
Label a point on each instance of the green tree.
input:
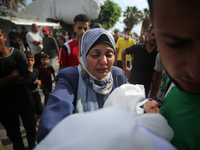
(132, 16)
(145, 20)
(15, 4)
(109, 14)
(116, 30)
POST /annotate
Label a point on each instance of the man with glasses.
(70, 50)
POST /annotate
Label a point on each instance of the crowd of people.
(106, 76)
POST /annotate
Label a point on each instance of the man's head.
(23, 28)
(81, 25)
(14, 29)
(45, 31)
(30, 58)
(151, 37)
(34, 28)
(127, 32)
(178, 35)
(96, 25)
(65, 33)
(117, 35)
(142, 38)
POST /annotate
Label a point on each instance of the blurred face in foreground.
(100, 60)
(178, 36)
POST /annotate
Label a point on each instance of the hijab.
(89, 85)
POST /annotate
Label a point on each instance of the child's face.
(31, 61)
(178, 35)
(45, 61)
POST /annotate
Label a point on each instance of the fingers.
(155, 110)
(151, 107)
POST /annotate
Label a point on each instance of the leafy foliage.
(145, 21)
(109, 14)
(132, 16)
(16, 4)
(116, 30)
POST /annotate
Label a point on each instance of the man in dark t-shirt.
(143, 62)
(15, 96)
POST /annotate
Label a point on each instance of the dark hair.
(151, 8)
(14, 27)
(81, 18)
(29, 54)
(96, 25)
(23, 27)
(2, 31)
(33, 26)
(65, 32)
(44, 55)
(126, 29)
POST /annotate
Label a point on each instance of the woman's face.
(100, 60)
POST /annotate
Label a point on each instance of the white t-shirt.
(30, 37)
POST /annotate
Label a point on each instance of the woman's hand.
(152, 107)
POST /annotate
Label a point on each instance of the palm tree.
(145, 21)
(15, 4)
(132, 16)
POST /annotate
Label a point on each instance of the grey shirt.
(50, 46)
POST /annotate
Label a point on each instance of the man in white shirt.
(35, 43)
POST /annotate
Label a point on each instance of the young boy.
(176, 24)
(34, 73)
(15, 96)
(45, 73)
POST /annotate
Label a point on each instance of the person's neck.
(33, 31)
(31, 69)
(5, 51)
(76, 39)
(149, 47)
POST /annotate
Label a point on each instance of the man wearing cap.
(35, 43)
(50, 46)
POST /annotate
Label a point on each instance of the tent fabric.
(64, 10)
(19, 21)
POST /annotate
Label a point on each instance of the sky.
(140, 4)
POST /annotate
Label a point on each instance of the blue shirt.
(60, 103)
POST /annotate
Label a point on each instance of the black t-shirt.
(34, 76)
(15, 98)
(142, 64)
